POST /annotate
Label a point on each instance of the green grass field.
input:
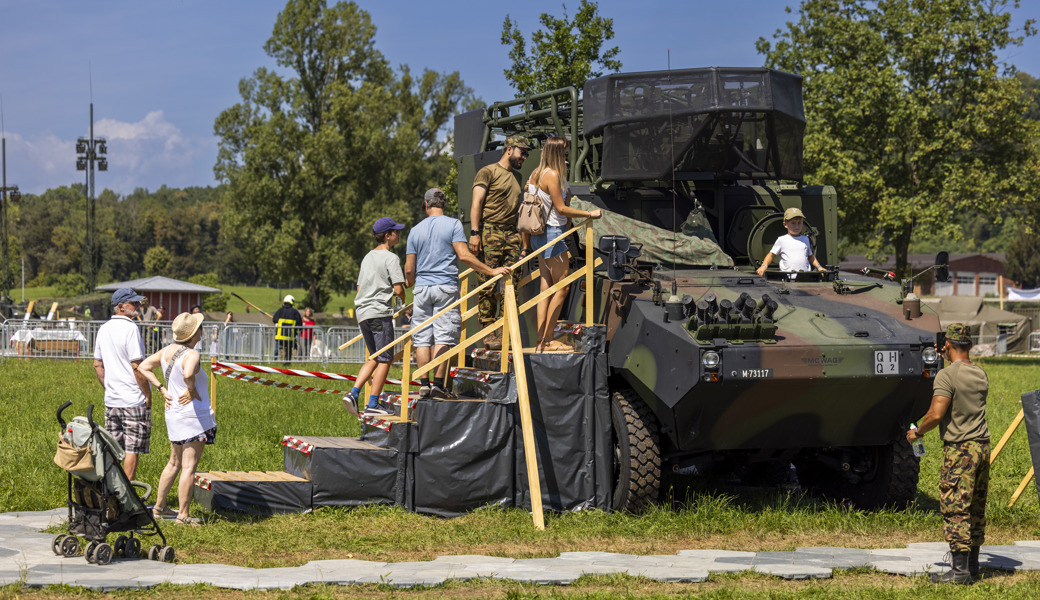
(252, 419)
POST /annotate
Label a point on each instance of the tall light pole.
(5, 271)
(88, 151)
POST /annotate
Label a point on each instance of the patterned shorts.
(131, 427)
(209, 436)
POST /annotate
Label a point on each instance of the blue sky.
(163, 71)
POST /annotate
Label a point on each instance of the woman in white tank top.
(549, 181)
(190, 422)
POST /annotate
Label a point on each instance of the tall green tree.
(566, 52)
(910, 114)
(315, 153)
(1023, 260)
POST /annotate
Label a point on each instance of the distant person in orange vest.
(288, 320)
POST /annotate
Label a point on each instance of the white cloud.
(148, 153)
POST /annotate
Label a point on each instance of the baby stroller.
(101, 498)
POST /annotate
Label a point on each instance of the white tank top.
(184, 421)
(554, 217)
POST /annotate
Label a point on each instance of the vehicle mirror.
(942, 266)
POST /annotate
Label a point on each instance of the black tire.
(103, 554)
(166, 554)
(70, 546)
(886, 476)
(119, 547)
(132, 548)
(153, 552)
(56, 543)
(88, 552)
(637, 452)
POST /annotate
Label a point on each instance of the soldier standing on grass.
(494, 237)
(958, 409)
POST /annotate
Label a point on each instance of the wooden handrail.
(357, 338)
(494, 279)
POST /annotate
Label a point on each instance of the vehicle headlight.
(929, 355)
(710, 359)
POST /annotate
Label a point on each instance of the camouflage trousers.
(963, 487)
(501, 249)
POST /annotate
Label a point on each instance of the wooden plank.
(526, 423)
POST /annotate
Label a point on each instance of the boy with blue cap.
(380, 279)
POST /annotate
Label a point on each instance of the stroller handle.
(90, 415)
(61, 409)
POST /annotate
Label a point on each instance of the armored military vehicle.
(709, 361)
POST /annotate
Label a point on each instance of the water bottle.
(918, 444)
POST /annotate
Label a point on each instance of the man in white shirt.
(118, 350)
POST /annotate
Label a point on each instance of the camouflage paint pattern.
(840, 369)
(693, 245)
(963, 487)
(501, 249)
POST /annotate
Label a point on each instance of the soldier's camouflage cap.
(958, 332)
(518, 141)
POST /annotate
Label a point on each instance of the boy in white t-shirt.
(794, 250)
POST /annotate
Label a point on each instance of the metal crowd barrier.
(235, 342)
(1034, 341)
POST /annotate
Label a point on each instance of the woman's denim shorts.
(551, 231)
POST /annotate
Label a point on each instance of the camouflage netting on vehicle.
(692, 246)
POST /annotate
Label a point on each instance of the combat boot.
(973, 563)
(958, 572)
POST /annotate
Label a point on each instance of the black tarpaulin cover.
(465, 457)
(570, 408)
(1031, 409)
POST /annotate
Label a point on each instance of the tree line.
(925, 134)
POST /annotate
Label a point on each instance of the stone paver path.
(26, 558)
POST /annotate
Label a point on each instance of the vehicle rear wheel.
(637, 452)
(869, 477)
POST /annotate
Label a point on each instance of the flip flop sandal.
(161, 513)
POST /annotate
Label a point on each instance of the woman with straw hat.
(190, 422)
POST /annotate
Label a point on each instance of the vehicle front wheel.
(637, 452)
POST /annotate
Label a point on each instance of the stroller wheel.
(119, 548)
(153, 552)
(103, 554)
(69, 546)
(56, 543)
(132, 548)
(88, 552)
(166, 554)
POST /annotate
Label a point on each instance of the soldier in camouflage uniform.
(494, 237)
(958, 409)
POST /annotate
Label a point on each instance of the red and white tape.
(471, 375)
(202, 482)
(574, 328)
(277, 384)
(296, 444)
(296, 372)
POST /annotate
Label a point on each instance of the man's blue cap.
(125, 295)
(384, 224)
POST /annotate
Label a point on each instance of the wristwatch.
(473, 232)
